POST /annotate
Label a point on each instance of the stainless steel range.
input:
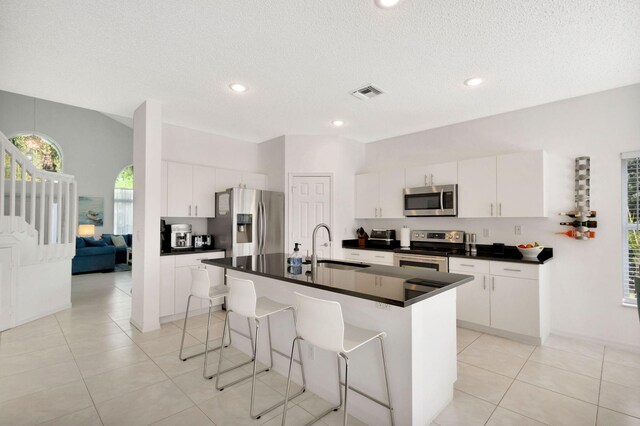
(429, 250)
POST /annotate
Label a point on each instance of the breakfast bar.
(416, 308)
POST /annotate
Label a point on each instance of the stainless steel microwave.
(437, 200)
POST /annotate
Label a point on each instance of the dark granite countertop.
(194, 251)
(511, 254)
(387, 284)
(485, 252)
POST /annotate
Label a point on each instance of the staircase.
(38, 216)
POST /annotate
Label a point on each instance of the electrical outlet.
(517, 229)
(486, 232)
(309, 352)
(383, 306)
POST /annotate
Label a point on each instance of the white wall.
(587, 280)
(271, 157)
(95, 148)
(196, 147)
(335, 155)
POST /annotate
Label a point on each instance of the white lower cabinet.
(175, 282)
(369, 256)
(504, 296)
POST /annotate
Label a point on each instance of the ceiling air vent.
(367, 92)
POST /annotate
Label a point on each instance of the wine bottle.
(578, 234)
(577, 223)
(579, 214)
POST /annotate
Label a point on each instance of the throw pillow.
(107, 239)
(80, 242)
(118, 241)
(94, 243)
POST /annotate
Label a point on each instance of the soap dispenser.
(295, 259)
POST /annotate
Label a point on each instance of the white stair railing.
(34, 201)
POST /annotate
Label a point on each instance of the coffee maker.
(181, 236)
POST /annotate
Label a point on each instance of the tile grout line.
(79, 372)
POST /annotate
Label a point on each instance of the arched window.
(123, 202)
(43, 152)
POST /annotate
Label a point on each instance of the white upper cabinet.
(204, 190)
(254, 180)
(477, 187)
(521, 184)
(433, 174)
(190, 190)
(511, 185)
(226, 179)
(179, 189)
(379, 195)
(391, 204)
(163, 188)
(367, 195)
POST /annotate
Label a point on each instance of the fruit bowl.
(531, 251)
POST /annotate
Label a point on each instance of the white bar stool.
(320, 323)
(201, 289)
(242, 300)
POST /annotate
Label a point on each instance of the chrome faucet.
(314, 257)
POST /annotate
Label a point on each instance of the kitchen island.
(416, 308)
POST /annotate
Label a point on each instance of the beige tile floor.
(89, 366)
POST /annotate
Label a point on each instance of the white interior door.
(310, 205)
(5, 288)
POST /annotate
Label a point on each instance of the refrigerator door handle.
(259, 227)
(264, 227)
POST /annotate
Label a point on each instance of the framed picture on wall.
(90, 210)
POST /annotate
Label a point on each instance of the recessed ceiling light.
(475, 81)
(386, 4)
(337, 123)
(238, 88)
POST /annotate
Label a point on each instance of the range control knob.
(457, 236)
(422, 235)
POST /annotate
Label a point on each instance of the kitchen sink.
(337, 264)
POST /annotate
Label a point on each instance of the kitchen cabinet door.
(163, 188)
(515, 305)
(254, 180)
(432, 174)
(179, 189)
(477, 187)
(204, 191)
(226, 179)
(167, 285)
(391, 204)
(520, 184)
(367, 195)
(473, 299)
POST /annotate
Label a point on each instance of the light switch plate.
(517, 229)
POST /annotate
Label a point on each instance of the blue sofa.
(121, 252)
(93, 256)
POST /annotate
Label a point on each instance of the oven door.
(418, 261)
(439, 200)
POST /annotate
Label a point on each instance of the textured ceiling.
(301, 58)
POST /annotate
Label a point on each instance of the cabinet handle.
(493, 283)
(376, 212)
(431, 179)
(355, 254)
(465, 264)
(426, 181)
(513, 270)
(380, 257)
(196, 210)
(499, 209)
(484, 282)
(491, 209)
(189, 209)
(380, 211)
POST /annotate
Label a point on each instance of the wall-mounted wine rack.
(583, 215)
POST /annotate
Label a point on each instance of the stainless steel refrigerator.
(248, 222)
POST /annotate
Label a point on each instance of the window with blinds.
(631, 227)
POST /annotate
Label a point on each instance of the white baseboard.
(530, 340)
(44, 314)
(611, 344)
(142, 329)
